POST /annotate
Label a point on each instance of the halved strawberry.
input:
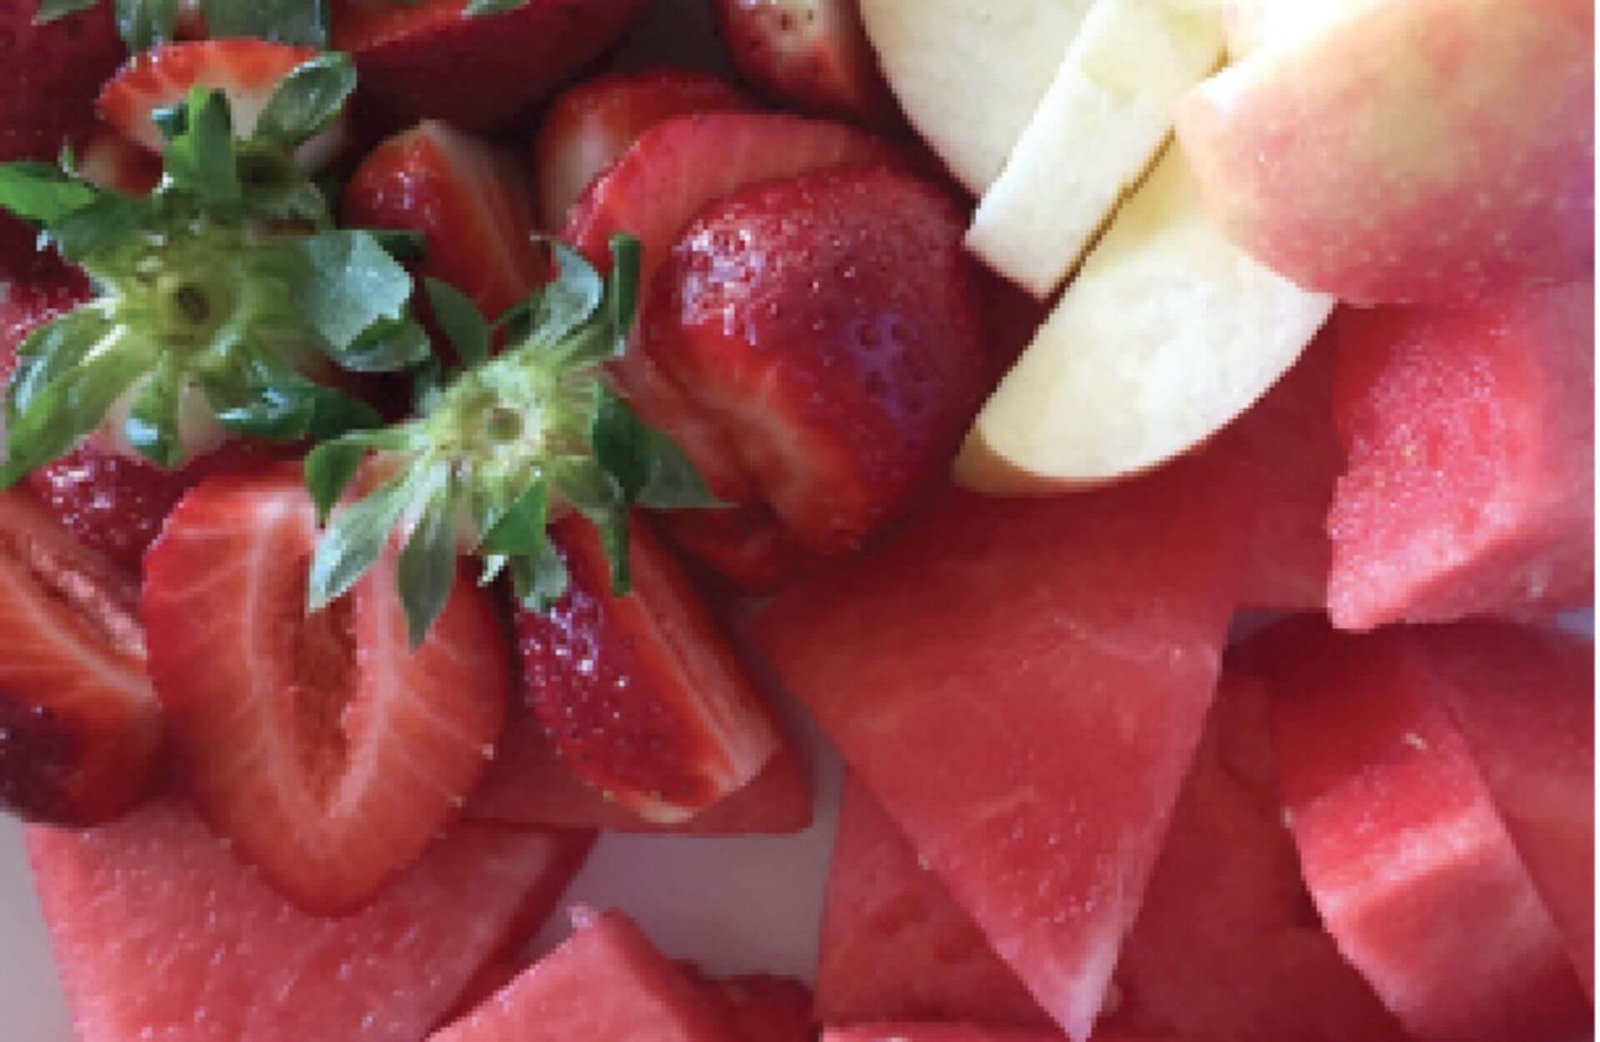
(593, 123)
(246, 70)
(471, 202)
(431, 60)
(79, 726)
(112, 161)
(641, 694)
(827, 326)
(321, 746)
(810, 54)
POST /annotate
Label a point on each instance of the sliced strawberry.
(247, 71)
(431, 60)
(470, 201)
(48, 78)
(321, 746)
(827, 326)
(593, 123)
(641, 694)
(809, 54)
(79, 725)
(112, 161)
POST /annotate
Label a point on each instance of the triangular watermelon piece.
(160, 934)
(1470, 438)
(1524, 700)
(1228, 945)
(895, 946)
(1021, 684)
(1401, 845)
(763, 1008)
(605, 984)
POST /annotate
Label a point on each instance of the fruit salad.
(1144, 447)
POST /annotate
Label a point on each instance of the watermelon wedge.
(1021, 684)
(764, 1009)
(1400, 843)
(1470, 438)
(605, 984)
(895, 945)
(1524, 700)
(160, 935)
(1228, 945)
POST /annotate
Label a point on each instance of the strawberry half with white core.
(501, 446)
(323, 747)
(248, 72)
(222, 297)
(79, 728)
(812, 54)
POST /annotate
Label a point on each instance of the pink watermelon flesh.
(1228, 945)
(1021, 684)
(605, 984)
(530, 787)
(1401, 845)
(763, 1008)
(161, 936)
(1524, 700)
(1277, 465)
(1470, 439)
(895, 945)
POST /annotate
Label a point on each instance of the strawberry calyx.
(220, 298)
(500, 447)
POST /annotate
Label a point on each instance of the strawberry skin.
(641, 695)
(828, 326)
(471, 202)
(593, 123)
(430, 60)
(809, 54)
(80, 729)
(325, 750)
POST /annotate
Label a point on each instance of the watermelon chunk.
(530, 787)
(605, 984)
(1470, 438)
(1021, 684)
(1524, 700)
(160, 935)
(895, 945)
(764, 1009)
(1401, 845)
(1228, 945)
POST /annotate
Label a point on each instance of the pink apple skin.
(1416, 151)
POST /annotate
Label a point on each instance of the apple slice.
(1168, 333)
(1251, 24)
(1101, 122)
(969, 76)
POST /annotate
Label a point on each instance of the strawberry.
(433, 59)
(48, 78)
(812, 55)
(593, 123)
(247, 71)
(327, 751)
(79, 726)
(827, 326)
(26, 304)
(470, 201)
(112, 161)
(641, 695)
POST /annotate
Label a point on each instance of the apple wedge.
(1167, 334)
(1104, 118)
(1252, 24)
(969, 75)
(1415, 151)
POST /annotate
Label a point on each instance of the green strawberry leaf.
(478, 8)
(355, 537)
(461, 321)
(50, 10)
(281, 21)
(145, 23)
(308, 100)
(152, 424)
(539, 579)
(42, 193)
(354, 284)
(427, 568)
(200, 156)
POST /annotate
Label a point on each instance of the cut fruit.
(605, 984)
(1253, 24)
(1470, 438)
(1167, 334)
(1426, 151)
(953, 1033)
(895, 945)
(159, 933)
(762, 1008)
(1103, 119)
(1524, 700)
(969, 76)
(807, 55)
(1228, 945)
(1032, 750)
(1401, 845)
